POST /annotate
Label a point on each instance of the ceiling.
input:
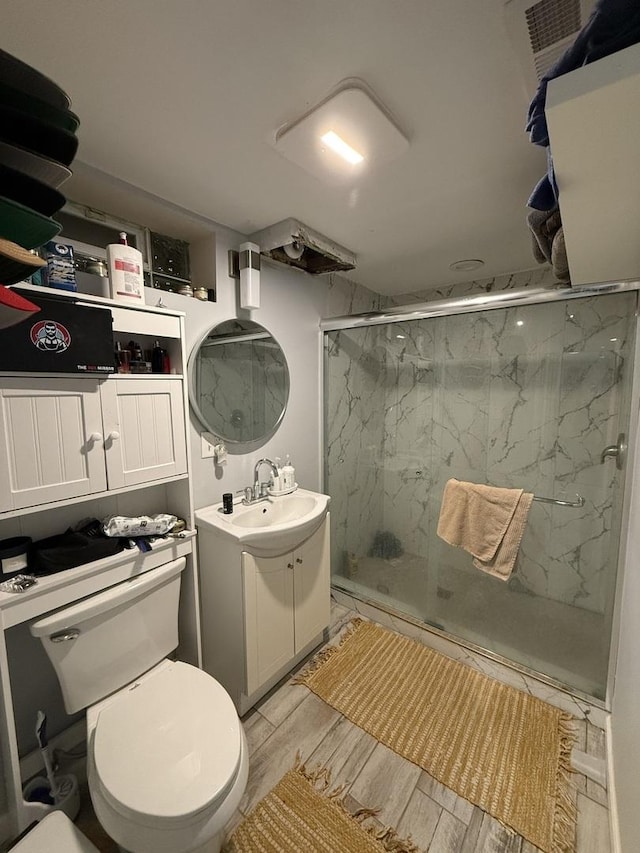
(182, 98)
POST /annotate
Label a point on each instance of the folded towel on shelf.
(486, 521)
(547, 237)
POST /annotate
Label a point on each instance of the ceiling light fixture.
(344, 136)
(337, 144)
(466, 265)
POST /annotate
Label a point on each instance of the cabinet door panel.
(144, 430)
(46, 450)
(312, 587)
(268, 590)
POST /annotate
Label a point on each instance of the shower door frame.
(508, 299)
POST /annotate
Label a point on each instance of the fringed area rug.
(497, 747)
(301, 815)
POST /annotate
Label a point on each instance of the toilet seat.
(167, 747)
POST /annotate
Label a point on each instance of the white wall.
(291, 306)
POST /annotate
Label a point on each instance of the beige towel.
(486, 521)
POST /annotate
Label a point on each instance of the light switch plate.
(208, 445)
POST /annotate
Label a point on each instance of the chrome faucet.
(259, 490)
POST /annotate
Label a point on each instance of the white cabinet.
(51, 441)
(65, 438)
(286, 606)
(594, 128)
(144, 430)
(260, 615)
(70, 447)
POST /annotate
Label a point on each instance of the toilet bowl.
(167, 761)
(167, 757)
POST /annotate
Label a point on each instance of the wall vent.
(542, 31)
(550, 21)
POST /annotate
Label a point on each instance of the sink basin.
(270, 527)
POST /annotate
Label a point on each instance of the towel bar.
(578, 502)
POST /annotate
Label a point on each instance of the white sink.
(269, 527)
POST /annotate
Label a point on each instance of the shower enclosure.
(531, 396)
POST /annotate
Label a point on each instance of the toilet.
(167, 757)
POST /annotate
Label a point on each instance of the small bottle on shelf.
(157, 358)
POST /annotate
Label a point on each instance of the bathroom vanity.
(88, 445)
(264, 582)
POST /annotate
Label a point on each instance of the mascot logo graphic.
(49, 336)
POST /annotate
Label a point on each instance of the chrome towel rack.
(579, 501)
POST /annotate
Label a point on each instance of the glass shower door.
(525, 397)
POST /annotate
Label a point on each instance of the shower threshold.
(436, 636)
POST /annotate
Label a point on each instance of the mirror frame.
(191, 369)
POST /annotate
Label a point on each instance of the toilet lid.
(168, 747)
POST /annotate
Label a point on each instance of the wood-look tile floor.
(291, 719)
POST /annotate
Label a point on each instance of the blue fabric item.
(613, 25)
(545, 193)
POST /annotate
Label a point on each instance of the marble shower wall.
(246, 387)
(354, 413)
(525, 397)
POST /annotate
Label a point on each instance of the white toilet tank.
(107, 640)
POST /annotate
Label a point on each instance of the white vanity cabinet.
(260, 615)
(286, 606)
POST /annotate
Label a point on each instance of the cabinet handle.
(298, 559)
(114, 435)
(289, 565)
(95, 436)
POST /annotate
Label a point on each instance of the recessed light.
(337, 144)
(466, 265)
(519, 322)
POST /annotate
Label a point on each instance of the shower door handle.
(618, 451)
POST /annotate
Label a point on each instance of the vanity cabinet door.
(311, 584)
(268, 600)
(51, 441)
(143, 429)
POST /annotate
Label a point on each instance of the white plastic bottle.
(288, 475)
(126, 278)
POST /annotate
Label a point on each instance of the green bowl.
(24, 226)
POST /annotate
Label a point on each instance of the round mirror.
(238, 381)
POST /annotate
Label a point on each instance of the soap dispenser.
(288, 475)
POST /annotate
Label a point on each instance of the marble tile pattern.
(540, 277)
(243, 388)
(524, 397)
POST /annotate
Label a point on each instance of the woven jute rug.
(497, 747)
(302, 815)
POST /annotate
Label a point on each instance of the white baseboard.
(614, 825)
